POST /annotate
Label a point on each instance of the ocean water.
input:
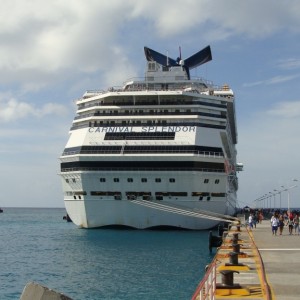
(38, 245)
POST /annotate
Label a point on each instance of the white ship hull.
(160, 152)
(93, 214)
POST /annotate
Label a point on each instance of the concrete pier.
(253, 264)
(281, 259)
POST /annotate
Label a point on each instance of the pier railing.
(207, 287)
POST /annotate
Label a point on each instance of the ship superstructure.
(154, 153)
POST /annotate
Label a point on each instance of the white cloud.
(286, 110)
(269, 148)
(289, 63)
(14, 110)
(273, 80)
(52, 36)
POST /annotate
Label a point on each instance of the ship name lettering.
(144, 129)
(169, 129)
(110, 129)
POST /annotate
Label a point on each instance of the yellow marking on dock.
(249, 280)
(227, 255)
(234, 268)
(233, 292)
(251, 292)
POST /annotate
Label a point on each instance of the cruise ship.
(158, 152)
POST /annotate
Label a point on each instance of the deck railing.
(207, 287)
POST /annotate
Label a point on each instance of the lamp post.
(288, 193)
(280, 195)
(271, 194)
(275, 192)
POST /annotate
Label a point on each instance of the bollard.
(236, 248)
(235, 238)
(227, 278)
(233, 258)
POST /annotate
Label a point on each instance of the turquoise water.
(37, 245)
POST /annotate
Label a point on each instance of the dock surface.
(281, 259)
(253, 264)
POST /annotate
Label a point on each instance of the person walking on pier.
(274, 224)
(296, 223)
(250, 221)
(290, 223)
(281, 223)
(260, 217)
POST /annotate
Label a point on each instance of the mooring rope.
(186, 211)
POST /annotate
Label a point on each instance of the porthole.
(206, 180)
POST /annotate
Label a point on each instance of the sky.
(51, 52)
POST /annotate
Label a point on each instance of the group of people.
(290, 219)
(255, 218)
(278, 221)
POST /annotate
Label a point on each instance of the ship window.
(206, 180)
(208, 198)
(130, 179)
(116, 179)
(172, 179)
(217, 181)
(102, 179)
(159, 197)
(157, 179)
(73, 179)
(67, 180)
(218, 194)
(201, 198)
(80, 193)
(144, 179)
(146, 197)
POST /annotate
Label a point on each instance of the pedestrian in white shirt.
(250, 221)
(274, 224)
